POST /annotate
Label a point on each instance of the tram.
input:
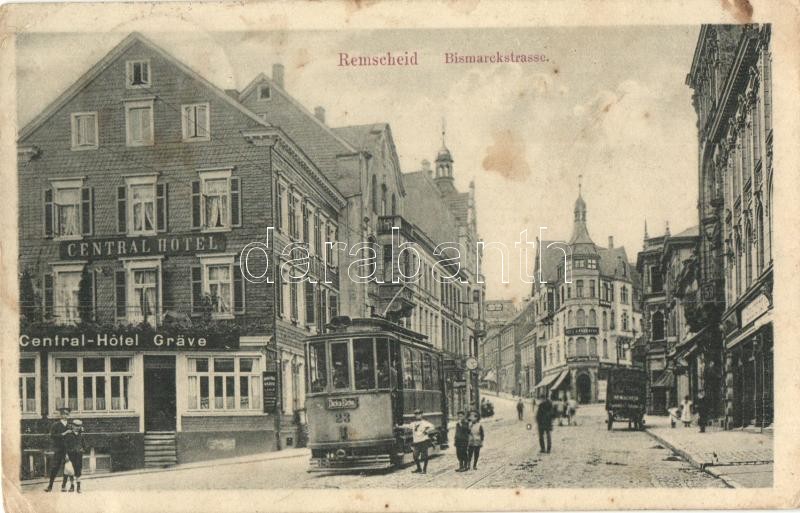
(365, 378)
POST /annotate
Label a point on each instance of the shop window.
(364, 363)
(29, 384)
(224, 383)
(84, 130)
(317, 367)
(195, 122)
(101, 382)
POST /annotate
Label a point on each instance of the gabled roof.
(552, 254)
(110, 58)
(459, 205)
(368, 138)
(426, 210)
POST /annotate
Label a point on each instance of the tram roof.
(361, 325)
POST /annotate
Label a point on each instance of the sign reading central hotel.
(118, 247)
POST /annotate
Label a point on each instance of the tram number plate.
(342, 417)
(342, 403)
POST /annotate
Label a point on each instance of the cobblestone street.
(586, 455)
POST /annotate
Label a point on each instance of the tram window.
(384, 365)
(435, 371)
(427, 382)
(408, 369)
(317, 367)
(417, 369)
(364, 363)
(340, 365)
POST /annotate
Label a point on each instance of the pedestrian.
(475, 439)
(686, 411)
(674, 415)
(558, 410)
(421, 431)
(572, 409)
(74, 446)
(462, 442)
(57, 431)
(520, 408)
(702, 411)
(544, 424)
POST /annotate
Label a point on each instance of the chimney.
(610, 242)
(319, 113)
(277, 75)
(426, 166)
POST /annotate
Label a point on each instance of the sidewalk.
(742, 459)
(239, 460)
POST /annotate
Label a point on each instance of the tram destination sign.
(117, 247)
(342, 403)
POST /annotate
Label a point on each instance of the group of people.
(468, 440)
(687, 410)
(68, 447)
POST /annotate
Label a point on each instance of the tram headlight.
(340, 453)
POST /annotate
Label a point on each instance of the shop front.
(146, 399)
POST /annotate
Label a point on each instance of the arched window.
(557, 326)
(581, 318)
(569, 319)
(558, 352)
(394, 204)
(605, 348)
(760, 237)
(658, 326)
(605, 321)
(592, 346)
(613, 321)
(375, 194)
(571, 347)
(748, 252)
(383, 200)
(624, 321)
(625, 294)
(592, 318)
(581, 347)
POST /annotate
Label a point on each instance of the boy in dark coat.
(57, 430)
(462, 442)
(544, 424)
(73, 444)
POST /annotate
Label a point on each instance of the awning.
(546, 381)
(490, 377)
(667, 380)
(560, 379)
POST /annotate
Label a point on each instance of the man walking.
(57, 431)
(544, 424)
(520, 408)
(702, 411)
(462, 442)
(421, 430)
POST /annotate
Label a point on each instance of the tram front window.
(364, 363)
(317, 367)
(340, 366)
(384, 366)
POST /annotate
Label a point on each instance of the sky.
(609, 104)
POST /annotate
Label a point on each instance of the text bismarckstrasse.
(412, 58)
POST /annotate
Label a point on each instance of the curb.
(730, 483)
(184, 466)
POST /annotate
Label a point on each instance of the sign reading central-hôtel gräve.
(116, 247)
(125, 342)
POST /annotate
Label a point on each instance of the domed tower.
(580, 241)
(444, 164)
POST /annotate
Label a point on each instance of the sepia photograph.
(380, 259)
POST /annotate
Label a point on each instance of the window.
(29, 384)
(375, 194)
(394, 204)
(142, 208)
(592, 289)
(94, 379)
(264, 92)
(581, 318)
(195, 122)
(605, 321)
(66, 286)
(581, 347)
(340, 365)
(591, 264)
(84, 131)
(624, 293)
(310, 303)
(658, 326)
(317, 367)
(68, 209)
(216, 201)
(592, 346)
(605, 348)
(592, 318)
(279, 210)
(418, 383)
(139, 123)
(219, 287)
(138, 74)
(656, 283)
(408, 369)
(384, 205)
(138, 292)
(364, 363)
(224, 383)
(624, 321)
(569, 319)
(579, 286)
(613, 321)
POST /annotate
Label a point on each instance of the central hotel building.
(140, 185)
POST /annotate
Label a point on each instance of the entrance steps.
(160, 449)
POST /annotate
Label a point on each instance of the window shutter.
(161, 207)
(197, 288)
(120, 294)
(311, 304)
(236, 202)
(238, 290)
(122, 209)
(48, 296)
(87, 210)
(196, 204)
(48, 212)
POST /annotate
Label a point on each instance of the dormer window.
(264, 92)
(138, 74)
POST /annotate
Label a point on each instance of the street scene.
(535, 267)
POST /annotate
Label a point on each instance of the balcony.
(396, 300)
(387, 223)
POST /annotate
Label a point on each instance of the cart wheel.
(610, 421)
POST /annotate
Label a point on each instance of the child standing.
(73, 443)
(475, 439)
